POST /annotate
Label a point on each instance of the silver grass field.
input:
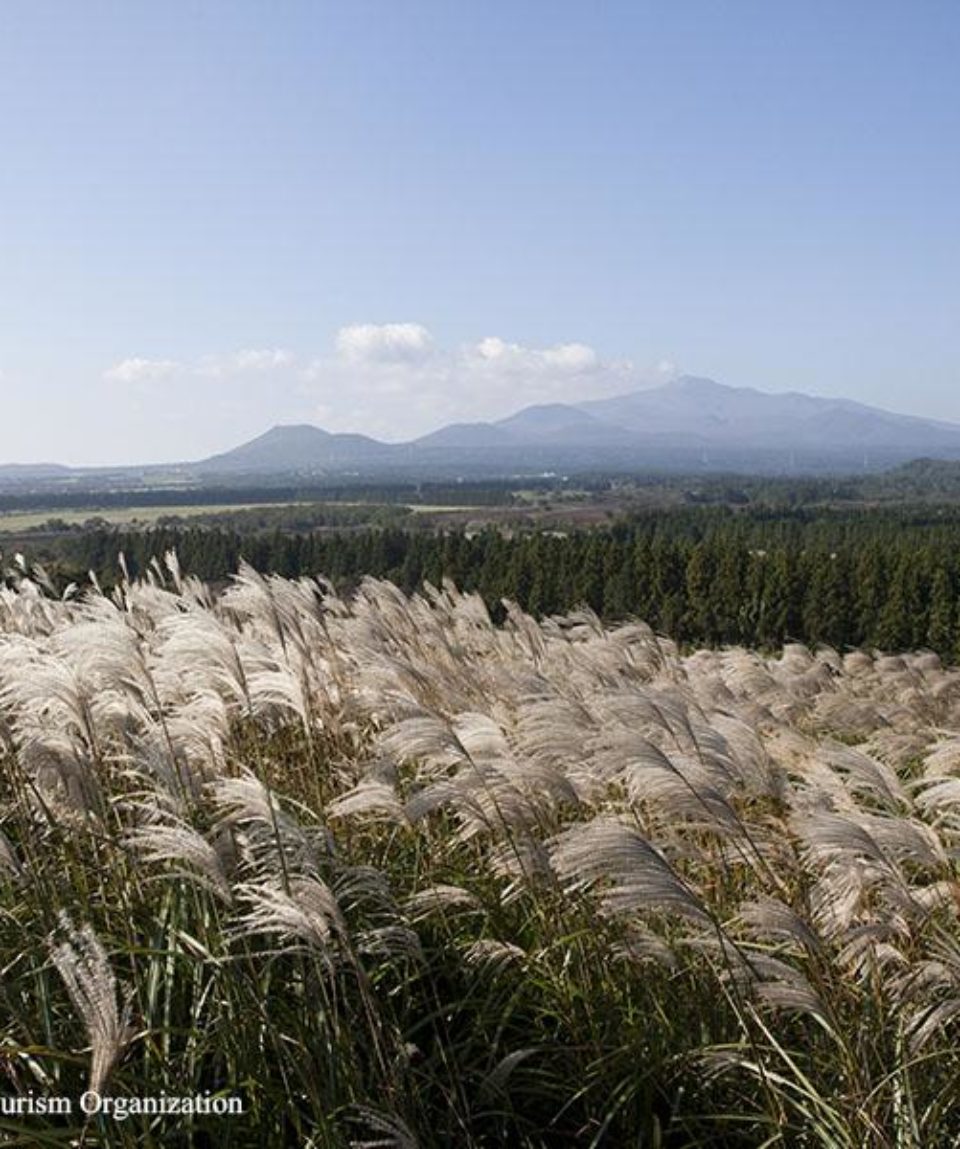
(395, 876)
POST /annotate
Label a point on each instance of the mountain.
(690, 423)
(465, 435)
(559, 423)
(700, 424)
(297, 447)
(26, 472)
(743, 418)
(22, 478)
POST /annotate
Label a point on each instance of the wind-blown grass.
(396, 876)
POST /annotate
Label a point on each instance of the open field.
(586, 500)
(393, 875)
(17, 521)
(544, 513)
(442, 508)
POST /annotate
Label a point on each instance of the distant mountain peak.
(298, 447)
(689, 421)
(703, 387)
(294, 430)
(694, 383)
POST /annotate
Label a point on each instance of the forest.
(873, 578)
(406, 830)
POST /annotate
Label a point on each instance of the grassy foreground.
(393, 876)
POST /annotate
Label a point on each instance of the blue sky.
(382, 215)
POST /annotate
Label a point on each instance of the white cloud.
(391, 380)
(138, 370)
(395, 381)
(494, 348)
(573, 358)
(384, 342)
(216, 399)
(245, 361)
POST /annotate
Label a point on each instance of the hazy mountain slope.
(743, 417)
(468, 435)
(689, 424)
(27, 471)
(560, 423)
(298, 447)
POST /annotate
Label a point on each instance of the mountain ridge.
(689, 423)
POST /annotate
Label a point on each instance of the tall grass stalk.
(393, 875)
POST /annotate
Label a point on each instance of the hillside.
(690, 423)
(330, 856)
(297, 447)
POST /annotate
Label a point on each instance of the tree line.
(705, 576)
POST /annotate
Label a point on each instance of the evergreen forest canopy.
(877, 578)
